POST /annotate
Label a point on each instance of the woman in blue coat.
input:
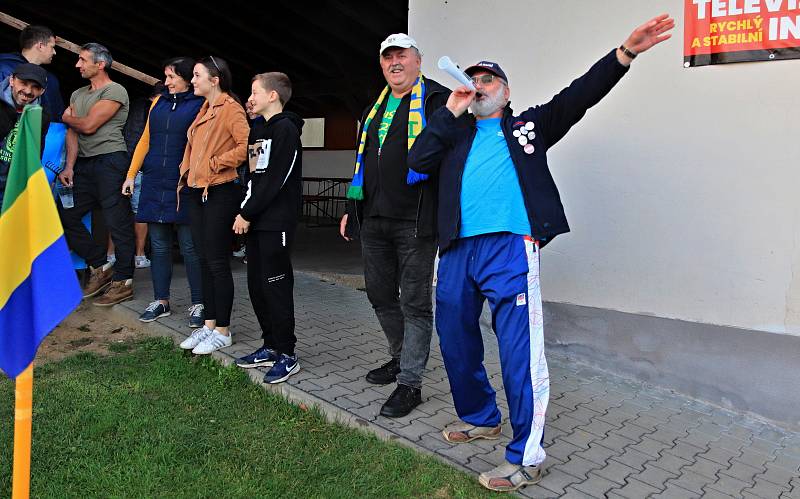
(158, 155)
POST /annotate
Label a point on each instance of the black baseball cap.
(489, 67)
(32, 72)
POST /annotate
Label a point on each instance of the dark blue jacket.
(444, 146)
(168, 122)
(52, 101)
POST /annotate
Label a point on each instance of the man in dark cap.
(24, 86)
(498, 205)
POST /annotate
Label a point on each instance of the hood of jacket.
(12, 59)
(293, 118)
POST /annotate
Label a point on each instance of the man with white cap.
(393, 211)
(498, 205)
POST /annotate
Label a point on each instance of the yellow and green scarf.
(416, 122)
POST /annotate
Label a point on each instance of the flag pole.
(23, 412)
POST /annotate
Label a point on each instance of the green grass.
(149, 422)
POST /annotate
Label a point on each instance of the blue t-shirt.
(491, 197)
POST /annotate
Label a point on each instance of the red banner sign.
(723, 31)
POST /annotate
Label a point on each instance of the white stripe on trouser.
(540, 379)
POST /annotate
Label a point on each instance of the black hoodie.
(275, 190)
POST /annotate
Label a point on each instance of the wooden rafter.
(75, 48)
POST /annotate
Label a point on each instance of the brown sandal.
(508, 477)
(460, 432)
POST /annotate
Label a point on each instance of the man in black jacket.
(498, 207)
(393, 212)
(269, 216)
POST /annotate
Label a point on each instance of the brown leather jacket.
(217, 144)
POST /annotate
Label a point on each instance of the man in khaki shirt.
(97, 161)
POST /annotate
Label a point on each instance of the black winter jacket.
(275, 187)
(443, 146)
(386, 192)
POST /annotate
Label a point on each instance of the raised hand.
(459, 100)
(650, 33)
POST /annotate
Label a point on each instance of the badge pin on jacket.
(524, 135)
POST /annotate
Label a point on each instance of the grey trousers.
(398, 271)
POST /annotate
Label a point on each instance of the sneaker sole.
(113, 303)
(381, 383)
(212, 351)
(165, 314)
(295, 370)
(268, 363)
(99, 290)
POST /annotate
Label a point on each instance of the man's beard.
(489, 104)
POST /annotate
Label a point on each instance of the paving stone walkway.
(606, 436)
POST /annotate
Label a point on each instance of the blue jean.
(137, 191)
(161, 258)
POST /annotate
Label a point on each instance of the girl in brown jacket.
(217, 145)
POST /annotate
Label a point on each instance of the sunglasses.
(484, 79)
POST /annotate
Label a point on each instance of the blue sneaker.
(283, 368)
(262, 357)
(154, 311)
(197, 316)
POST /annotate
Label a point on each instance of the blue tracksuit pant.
(503, 268)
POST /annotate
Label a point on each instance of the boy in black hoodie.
(269, 215)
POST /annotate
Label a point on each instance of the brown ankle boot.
(117, 292)
(99, 279)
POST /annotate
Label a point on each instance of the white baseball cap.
(401, 40)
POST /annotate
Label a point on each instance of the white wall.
(328, 163)
(680, 186)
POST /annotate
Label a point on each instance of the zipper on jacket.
(205, 143)
(164, 158)
(358, 220)
(525, 196)
(419, 211)
(421, 188)
(460, 181)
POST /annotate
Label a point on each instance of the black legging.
(212, 231)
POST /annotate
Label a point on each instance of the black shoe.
(402, 400)
(385, 374)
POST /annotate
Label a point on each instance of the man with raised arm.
(498, 205)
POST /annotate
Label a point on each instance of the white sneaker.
(212, 343)
(241, 252)
(112, 258)
(197, 337)
(141, 262)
